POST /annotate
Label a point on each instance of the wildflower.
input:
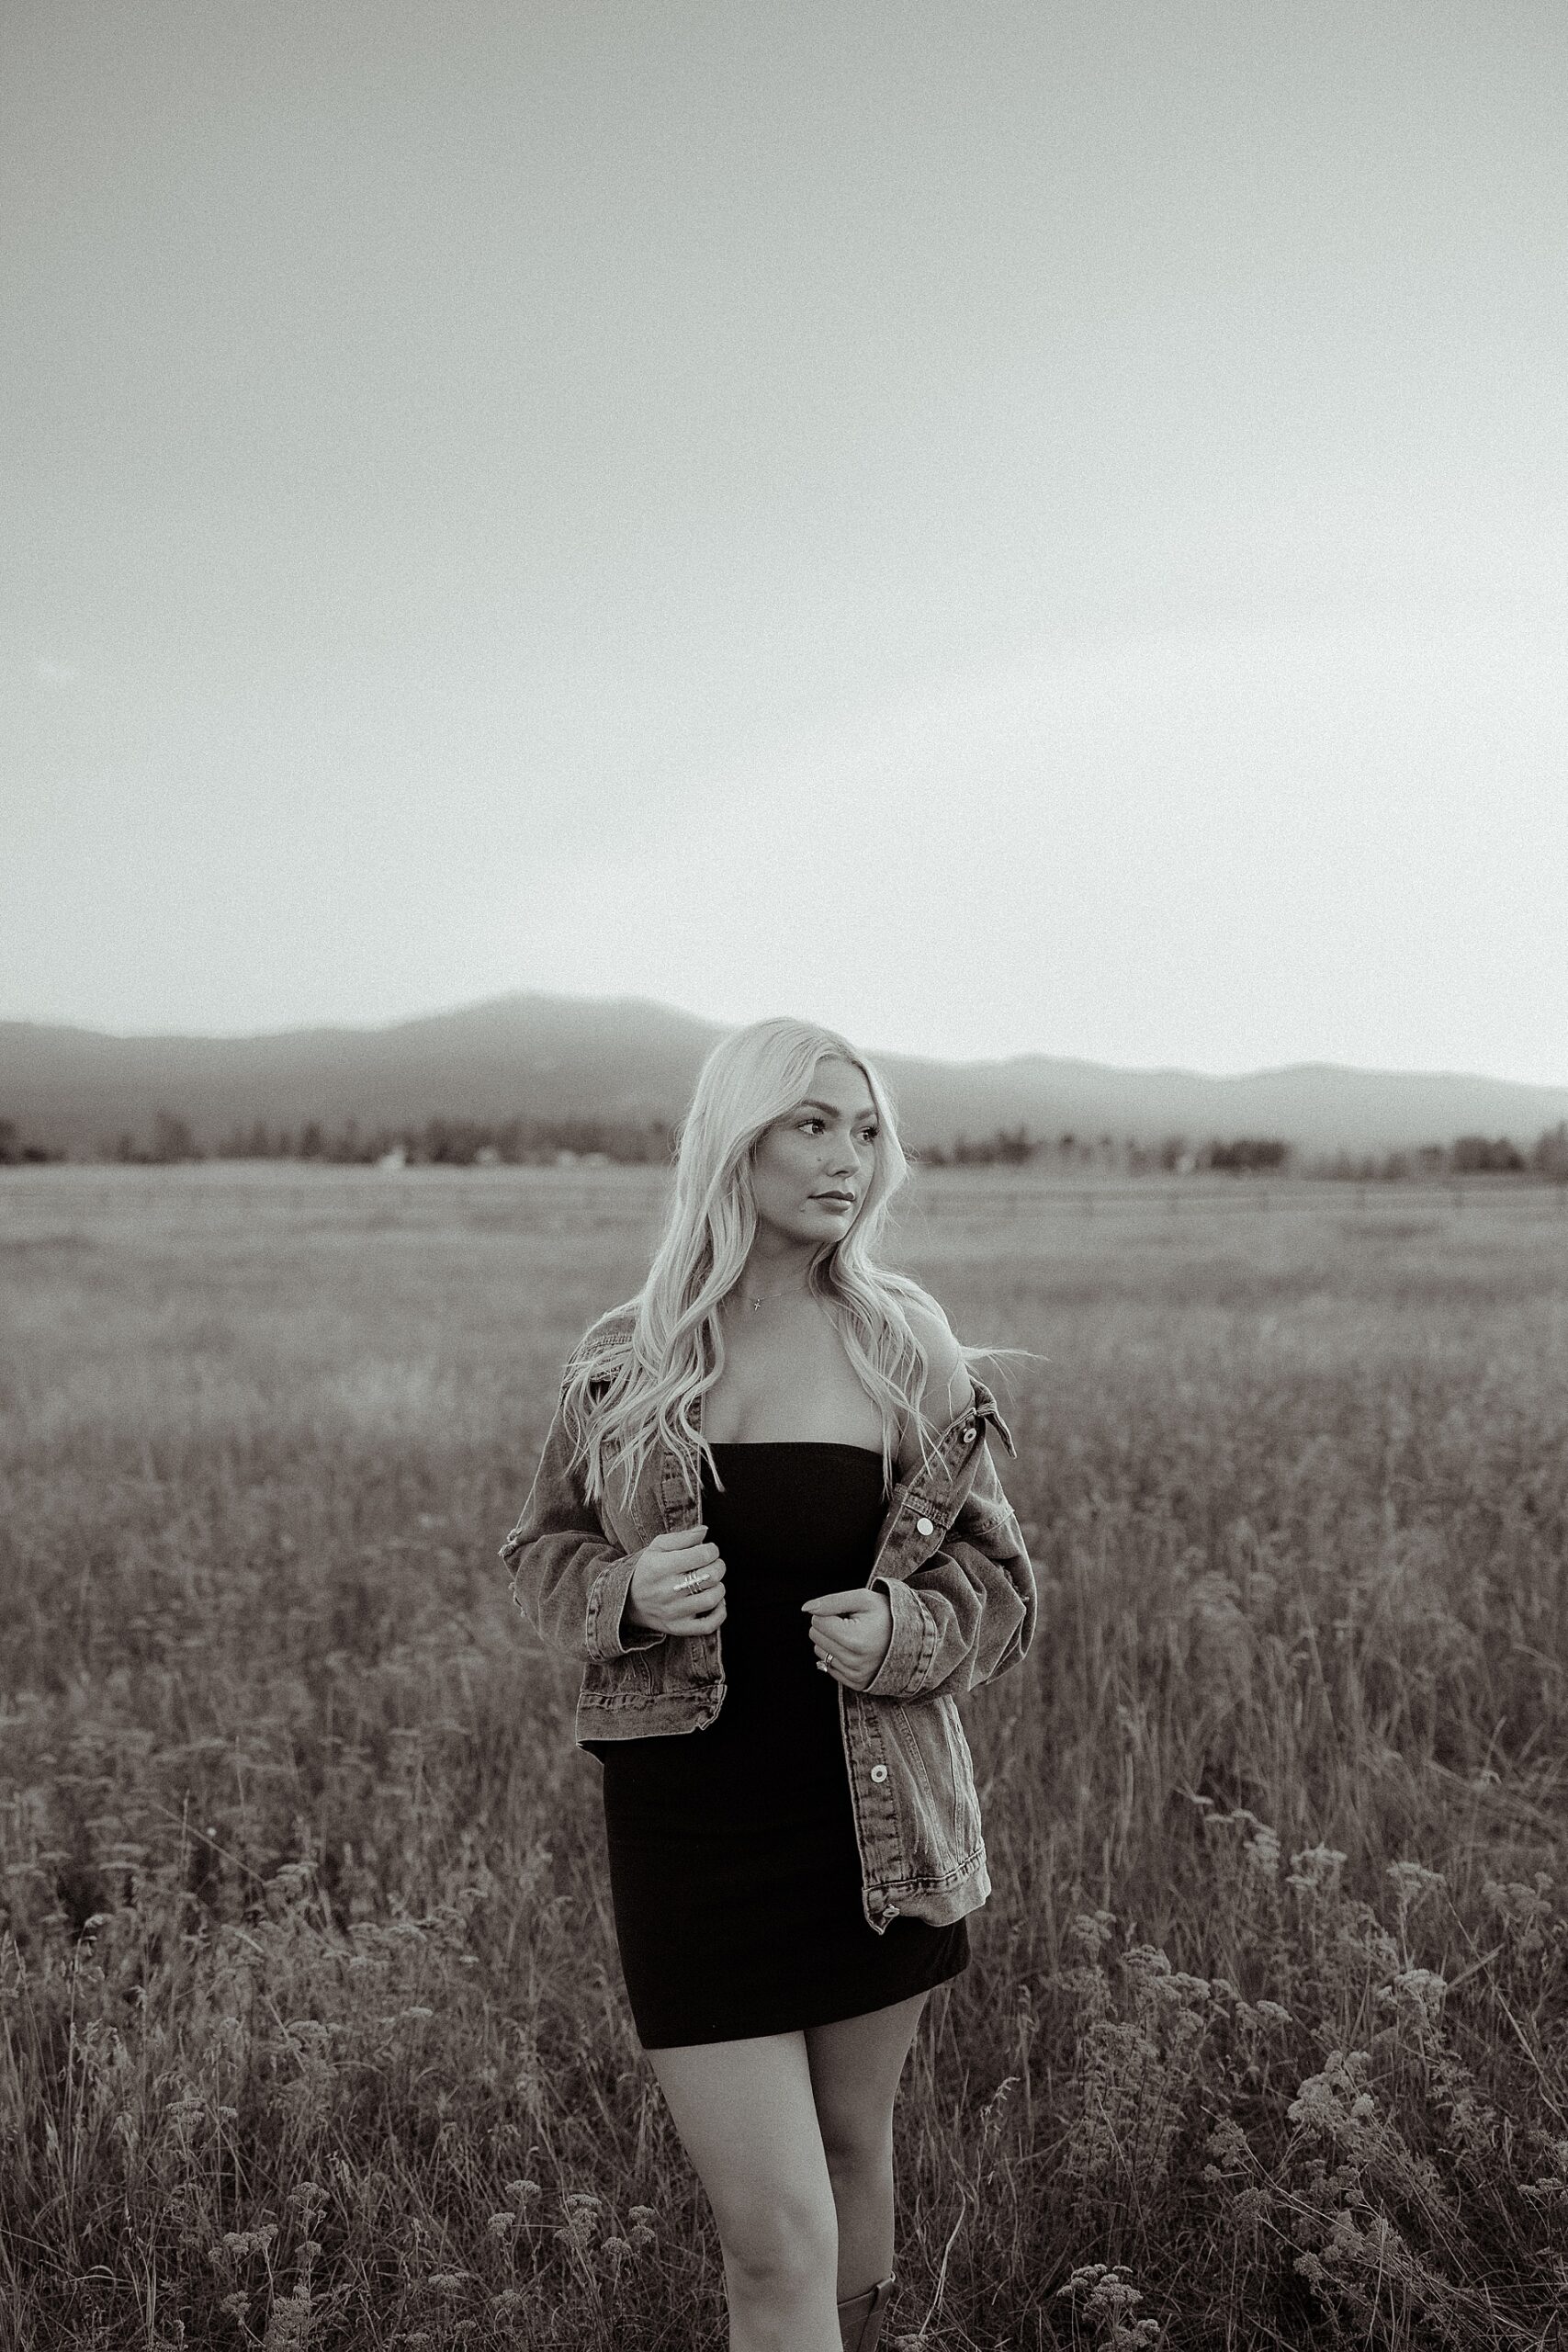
(290, 2326)
(521, 2192)
(241, 2241)
(1091, 1931)
(1420, 1989)
(1261, 1851)
(1315, 1870)
(449, 2282)
(419, 2011)
(1228, 2149)
(501, 2225)
(1414, 1876)
(616, 2248)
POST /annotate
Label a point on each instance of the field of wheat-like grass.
(311, 2027)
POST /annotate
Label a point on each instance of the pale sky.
(1005, 527)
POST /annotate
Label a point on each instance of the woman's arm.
(568, 1578)
(969, 1611)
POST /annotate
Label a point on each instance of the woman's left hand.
(850, 1632)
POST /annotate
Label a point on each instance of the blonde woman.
(768, 1524)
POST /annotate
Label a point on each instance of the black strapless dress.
(734, 1871)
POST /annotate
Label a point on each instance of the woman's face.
(812, 1168)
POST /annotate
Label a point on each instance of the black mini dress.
(735, 1875)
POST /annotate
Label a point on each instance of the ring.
(693, 1581)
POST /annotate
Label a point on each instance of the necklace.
(755, 1303)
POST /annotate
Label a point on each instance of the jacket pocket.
(942, 1832)
(609, 1681)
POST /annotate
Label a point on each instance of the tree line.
(1258, 1154)
(520, 1142)
(437, 1142)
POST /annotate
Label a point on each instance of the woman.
(781, 1438)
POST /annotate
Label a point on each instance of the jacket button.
(924, 1527)
(879, 1771)
(968, 1434)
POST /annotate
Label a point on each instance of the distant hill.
(623, 1058)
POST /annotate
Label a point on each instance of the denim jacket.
(953, 1563)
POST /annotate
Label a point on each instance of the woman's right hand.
(654, 1601)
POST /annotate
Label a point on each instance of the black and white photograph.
(783, 1176)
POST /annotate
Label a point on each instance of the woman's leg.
(746, 2117)
(855, 2068)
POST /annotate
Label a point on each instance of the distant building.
(487, 1155)
(396, 1157)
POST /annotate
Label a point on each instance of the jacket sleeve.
(568, 1578)
(967, 1613)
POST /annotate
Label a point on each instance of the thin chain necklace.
(755, 1303)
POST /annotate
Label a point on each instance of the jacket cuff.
(903, 1671)
(606, 1631)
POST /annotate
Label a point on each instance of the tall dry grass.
(311, 2029)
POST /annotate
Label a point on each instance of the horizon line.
(708, 1021)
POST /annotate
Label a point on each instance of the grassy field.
(310, 2031)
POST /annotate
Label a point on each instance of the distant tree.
(312, 1144)
(172, 1139)
(1473, 1156)
(1550, 1156)
(1249, 1155)
(10, 1149)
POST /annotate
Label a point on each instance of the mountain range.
(553, 1058)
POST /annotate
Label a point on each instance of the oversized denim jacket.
(950, 1559)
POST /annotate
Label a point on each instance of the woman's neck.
(772, 1272)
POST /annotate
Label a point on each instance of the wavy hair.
(646, 1385)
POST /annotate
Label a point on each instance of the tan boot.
(861, 2316)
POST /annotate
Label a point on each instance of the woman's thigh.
(747, 2116)
(857, 2066)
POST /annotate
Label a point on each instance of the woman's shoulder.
(604, 1336)
(947, 1390)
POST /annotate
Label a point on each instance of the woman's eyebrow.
(811, 1103)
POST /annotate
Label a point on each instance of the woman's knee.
(782, 2244)
(853, 2141)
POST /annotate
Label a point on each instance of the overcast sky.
(1002, 527)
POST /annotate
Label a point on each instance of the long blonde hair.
(645, 1384)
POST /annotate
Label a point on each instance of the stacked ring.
(693, 1581)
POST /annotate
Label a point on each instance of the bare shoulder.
(948, 1390)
